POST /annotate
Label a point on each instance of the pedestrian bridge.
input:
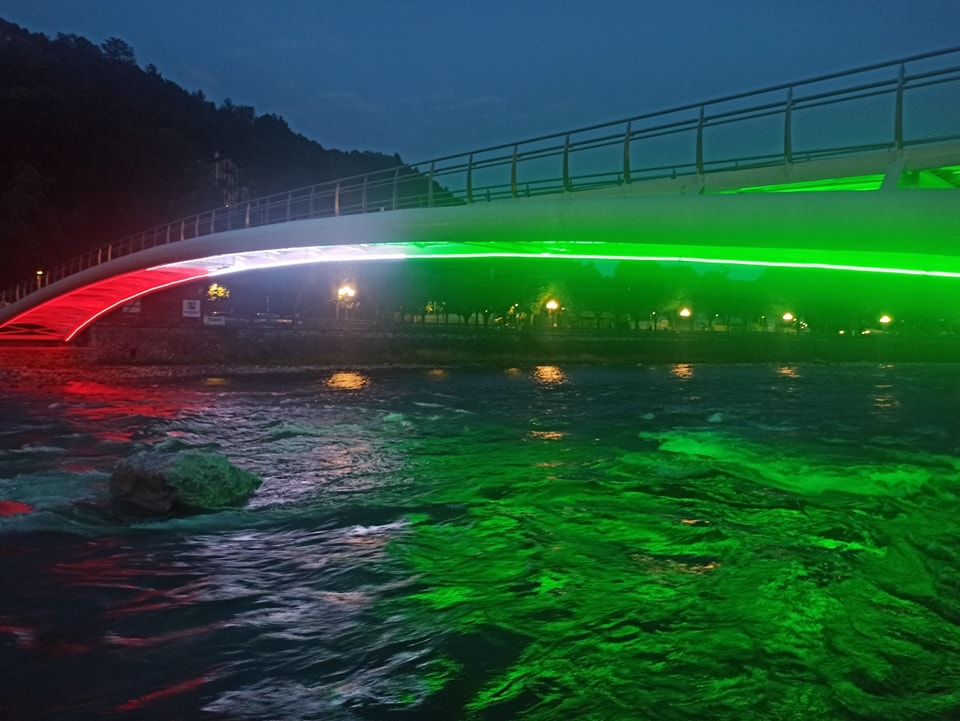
(760, 178)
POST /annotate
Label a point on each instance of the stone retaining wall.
(285, 346)
(291, 346)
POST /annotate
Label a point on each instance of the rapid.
(758, 541)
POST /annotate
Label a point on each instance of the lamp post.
(552, 306)
(345, 295)
(687, 313)
(39, 279)
(790, 319)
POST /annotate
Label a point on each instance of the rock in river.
(165, 484)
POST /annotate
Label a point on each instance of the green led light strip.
(684, 259)
(859, 182)
(413, 251)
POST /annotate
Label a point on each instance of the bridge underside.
(839, 230)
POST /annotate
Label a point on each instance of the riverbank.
(432, 345)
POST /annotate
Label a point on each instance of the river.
(548, 542)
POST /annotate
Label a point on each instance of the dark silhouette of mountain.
(94, 147)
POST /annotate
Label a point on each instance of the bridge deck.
(884, 231)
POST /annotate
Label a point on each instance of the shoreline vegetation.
(114, 346)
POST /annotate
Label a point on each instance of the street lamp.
(345, 295)
(39, 279)
(552, 306)
(790, 319)
(885, 320)
(687, 313)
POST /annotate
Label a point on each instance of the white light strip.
(281, 257)
(256, 260)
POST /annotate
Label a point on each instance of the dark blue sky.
(426, 78)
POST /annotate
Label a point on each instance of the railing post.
(183, 229)
(567, 186)
(788, 129)
(700, 143)
(363, 195)
(213, 221)
(626, 154)
(898, 119)
(336, 200)
(246, 220)
(313, 192)
(430, 187)
(513, 173)
(396, 183)
(470, 179)
(289, 204)
(196, 227)
(168, 232)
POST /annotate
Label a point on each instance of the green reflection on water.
(705, 577)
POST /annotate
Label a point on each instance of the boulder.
(169, 484)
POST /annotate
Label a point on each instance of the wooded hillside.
(93, 147)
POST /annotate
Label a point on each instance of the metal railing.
(907, 102)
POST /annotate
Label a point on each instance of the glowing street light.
(790, 319)
(345, 296)
(885, 319)
(552, 306)
(39, 279)
(217, 292)
(685, 312)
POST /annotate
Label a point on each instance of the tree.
(79, 44)
(24, 206)
(119, 51)
(244, 113)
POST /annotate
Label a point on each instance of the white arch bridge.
(726, 181)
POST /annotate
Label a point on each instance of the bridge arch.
(842, 231)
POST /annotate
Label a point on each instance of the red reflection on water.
(111, 617)
(115, 412)
(148, 641)
(12, 508)
(166, 692)
(100, 399)
(23, 636)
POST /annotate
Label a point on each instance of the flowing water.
(668, 542)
